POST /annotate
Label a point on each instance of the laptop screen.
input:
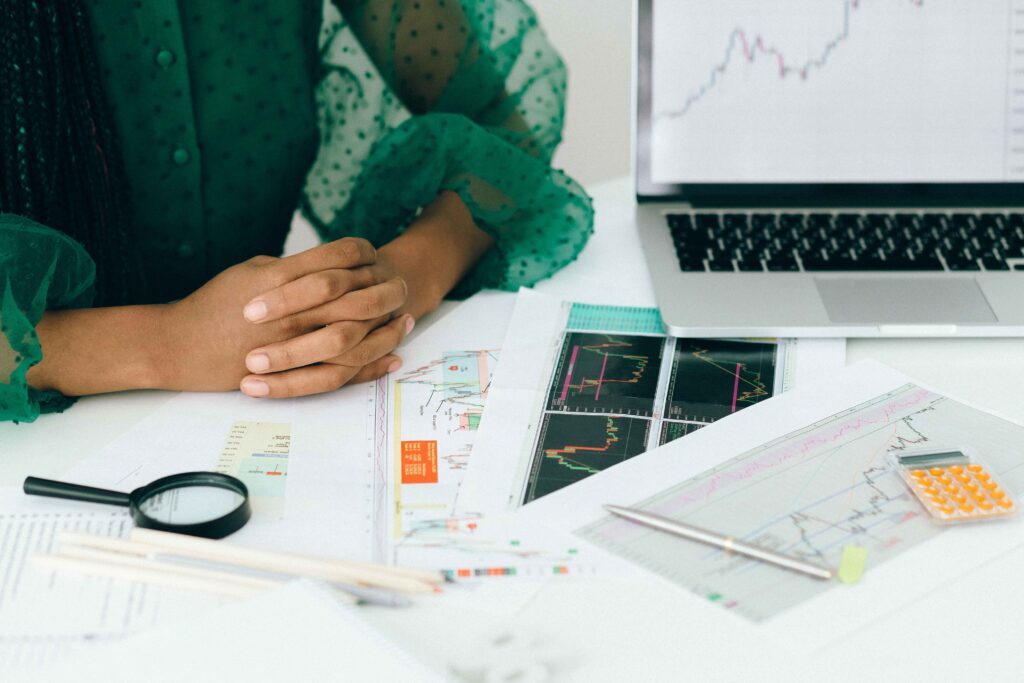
(831, 92)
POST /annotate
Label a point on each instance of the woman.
(149, 146)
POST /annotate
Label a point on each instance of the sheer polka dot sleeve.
(421, 96)
(40, 269)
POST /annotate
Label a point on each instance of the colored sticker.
(419, 462)
(851, 566)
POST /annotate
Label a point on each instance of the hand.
(210, 338)
(351, 335)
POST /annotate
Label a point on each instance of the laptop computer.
(842, 168)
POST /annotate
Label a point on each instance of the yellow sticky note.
(851, 566)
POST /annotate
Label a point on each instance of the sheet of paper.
(326, 471)
(806, 473)
(298, 632)
(368, 472)
(46, 615)
(583, 387)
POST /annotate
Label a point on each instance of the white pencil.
(160, 545)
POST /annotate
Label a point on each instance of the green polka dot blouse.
(233, 114)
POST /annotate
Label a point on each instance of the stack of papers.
(489, 457)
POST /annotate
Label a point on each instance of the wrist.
(436, 251)
(425, 290)
(99, 350)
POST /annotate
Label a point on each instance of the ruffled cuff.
(539, 217)
(40, 269)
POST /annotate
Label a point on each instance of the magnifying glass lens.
(190, 504)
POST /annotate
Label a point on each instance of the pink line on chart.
(568, 374)
(823, 437)
(736, 388)
(604, 364)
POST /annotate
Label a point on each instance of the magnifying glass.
(207, 504)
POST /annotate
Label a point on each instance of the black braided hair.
(61, 162)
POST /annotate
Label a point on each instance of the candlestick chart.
(607, 373)
(572, 447)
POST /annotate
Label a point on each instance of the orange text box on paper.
(419, 462)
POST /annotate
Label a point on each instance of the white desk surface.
(613, 629)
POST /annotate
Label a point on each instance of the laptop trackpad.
(904, 300)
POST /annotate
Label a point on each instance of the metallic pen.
(726, 543)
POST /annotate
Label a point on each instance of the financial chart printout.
(837, 91)
(614, 395)
(809, 494)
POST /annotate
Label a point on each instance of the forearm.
(436, 251)
(99, 350)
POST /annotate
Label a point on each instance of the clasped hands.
(298, 325)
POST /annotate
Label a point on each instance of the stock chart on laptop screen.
(795, 91)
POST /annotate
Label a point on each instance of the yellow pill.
(945, 509)
(931, 490)
(997, 494)
(938, 500)
(956, 469)
(962, 478)
(918, 473)
(951, 488)
(966, 507)
(960, 498)
(972, 487)
(1005, 503)
(985, 505)
(990, 485)
(978, 497)
(975, 467)
(937, 471)
(945, 480)
(982, 476)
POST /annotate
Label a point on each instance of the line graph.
(836, 91)
(749, 47)
(810, 493)
(607, 373)
(572, 447)
(714, 378)
(436, 408)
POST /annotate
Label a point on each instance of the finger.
(325, 343)
(376, 369)
(361, 304)
(380, 342)
(312, 379)
(348, 252)
(308, 291)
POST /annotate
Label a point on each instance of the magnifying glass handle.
(35, 486)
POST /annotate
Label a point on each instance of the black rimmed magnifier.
(207, 504)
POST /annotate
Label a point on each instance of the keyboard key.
(750, 265)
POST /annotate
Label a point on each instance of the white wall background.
(595, 38)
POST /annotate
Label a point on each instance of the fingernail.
(409, 324)
(394, 366)
(258, 362)
(255, 310)
(254, 387)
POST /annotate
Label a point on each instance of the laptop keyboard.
(813, 242)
